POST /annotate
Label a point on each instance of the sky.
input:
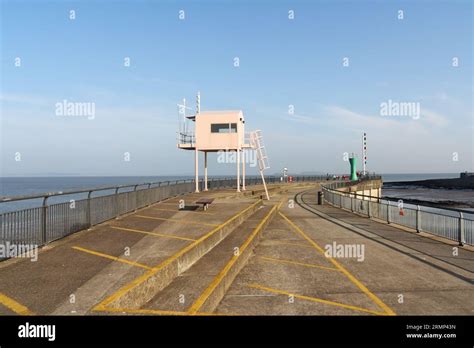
(313, 83)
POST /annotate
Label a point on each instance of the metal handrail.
(186, 138)
(459, 227)
(42, 224)
(392, 199)
(4, 199)
(72, 192)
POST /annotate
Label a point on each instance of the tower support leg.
(196, 173)
(238, 170)
(243, 170)
(205, 170)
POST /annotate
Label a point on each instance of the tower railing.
(183, 138)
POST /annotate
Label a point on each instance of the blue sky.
(282, 62)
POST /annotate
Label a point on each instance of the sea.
(20, 186)
(446, 198)
(23, 186)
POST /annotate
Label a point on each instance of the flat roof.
(216, 112)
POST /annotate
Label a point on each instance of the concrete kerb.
(212, 296)
(278, 188)
(144, 288)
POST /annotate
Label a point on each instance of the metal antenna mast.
(364, 154)
(198, 103)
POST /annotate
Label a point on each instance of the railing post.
(368, 208)
(89, 212)
(149, 200)
(352, 202)
(136, 197)
(116, 203)
(362, 202)
(418, 219)
(43, 222)
(461, 229)
(388, 212)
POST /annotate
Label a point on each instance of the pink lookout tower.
(219, 131)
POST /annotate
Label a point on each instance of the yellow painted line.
(156, 312)
(290, 243)
(184, 210)
(153, 233)
(110, 257)
(141, 311)
(297, 263)
(14, 305)
(353, 279)
(315, 299)
(176, 220)
(216, 281)
(166, 200)
(119, 293)
(167, 203)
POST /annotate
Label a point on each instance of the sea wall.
(367, 189)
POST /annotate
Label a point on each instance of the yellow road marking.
(314, 299)
(14, 305)
(168, 203)
(296, 263)
(137, 281)
(176, 220)
(110, 257)
(152, 233)
(188, 211)
(216, 281)
(156, 312)
(353, 279)
(290, 243)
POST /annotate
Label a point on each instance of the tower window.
(224, 128)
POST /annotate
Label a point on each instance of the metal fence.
(48, 222)
(452, 224)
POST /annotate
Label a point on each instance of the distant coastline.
(439, 193)
(455, 183)
(407, 187)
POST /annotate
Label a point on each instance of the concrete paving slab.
(185, 289)
(45, 286)
(387, 272)
(396, 264)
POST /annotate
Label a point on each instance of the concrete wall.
(369, 188)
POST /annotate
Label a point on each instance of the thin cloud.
(23, 99)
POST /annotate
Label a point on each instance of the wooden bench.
(205, 202)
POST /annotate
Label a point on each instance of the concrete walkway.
(243, 256)
(73, 274)
(419, 245)
(400, 272)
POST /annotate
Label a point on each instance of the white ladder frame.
(257, 144)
